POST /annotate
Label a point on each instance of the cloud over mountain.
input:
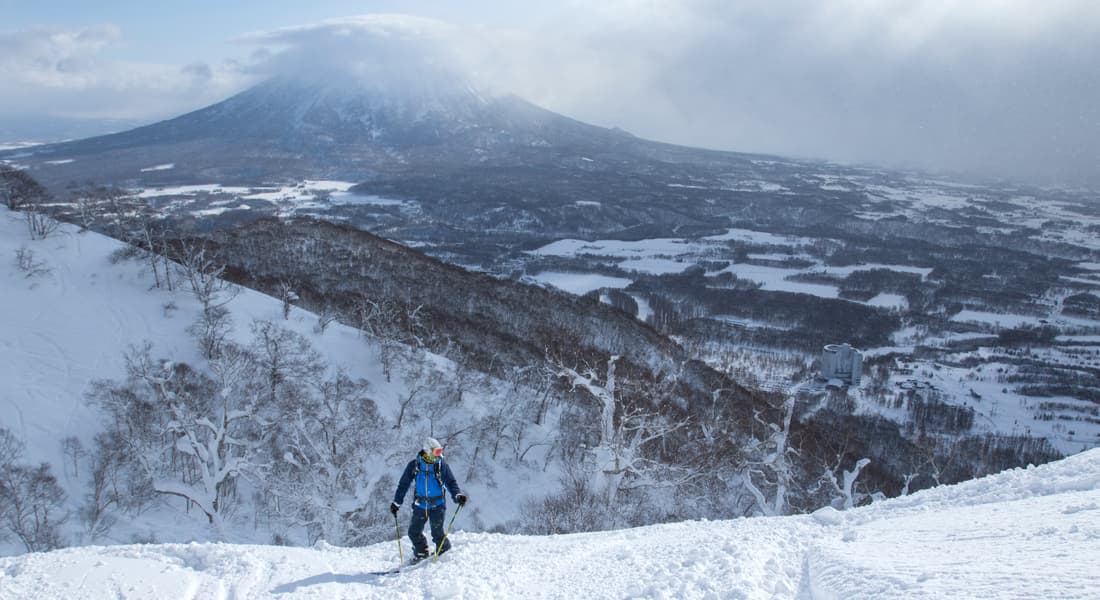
(997, 86)
(993, 86)
(397, 49)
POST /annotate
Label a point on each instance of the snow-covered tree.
(189, 435)
(322, 446)
(838, 482)
(204, 275)
(767, 472)
(845, 494)
(618, 459)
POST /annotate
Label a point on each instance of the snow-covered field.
(580, 283)
(661, 256)
(1026, 533)
(300, 198)
(993, 391)
(998, 407)
(1009, 321)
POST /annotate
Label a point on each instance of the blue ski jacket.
(428, 481)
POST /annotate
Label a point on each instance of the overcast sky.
(1008, 87)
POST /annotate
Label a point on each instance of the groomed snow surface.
(1026, 533)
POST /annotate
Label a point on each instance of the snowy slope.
(1027, 533)
(66, 327)
(69, 325)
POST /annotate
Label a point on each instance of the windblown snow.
(1026, 533)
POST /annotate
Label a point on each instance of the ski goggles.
(437, 452)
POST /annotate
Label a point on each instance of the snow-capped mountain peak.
(348, 127)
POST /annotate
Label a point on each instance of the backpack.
(433, 495)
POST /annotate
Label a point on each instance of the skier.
(430, 474)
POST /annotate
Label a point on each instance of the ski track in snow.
(959, 543)
(1025, 533)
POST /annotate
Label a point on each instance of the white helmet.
(432, 447)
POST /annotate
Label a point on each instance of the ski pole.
(446, 533)
(397, 526)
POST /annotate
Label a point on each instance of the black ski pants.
(433, 516)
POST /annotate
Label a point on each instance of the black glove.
(394, 508)
(461, 499)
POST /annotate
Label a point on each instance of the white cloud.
(374, 50)
(999, 86)
(69, 72)
(53, 58)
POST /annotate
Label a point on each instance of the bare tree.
(423, 383)
(936, 461)
(107, 490)
(203, 275)
(86, 212)
(31, 501)
(326, 317)
(287, 296)
(117, 206)
(148, 234)
(284, 358)
(73, 450)
(92, 201)
(17, 188)
(28, 264)
(39, 224)
(378, 319)
(33, 506)
(11, 448)
(20, 191)
(577, 507)
(211, 329)
(416, 324)
(371, 317)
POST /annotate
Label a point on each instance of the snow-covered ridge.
(1026, 533)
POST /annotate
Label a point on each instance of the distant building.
(843, 363)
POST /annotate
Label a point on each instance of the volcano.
(287, 129)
